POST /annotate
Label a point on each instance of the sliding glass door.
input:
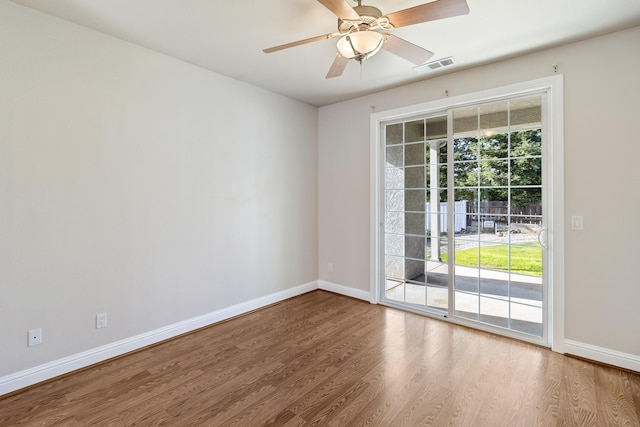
(464, 215)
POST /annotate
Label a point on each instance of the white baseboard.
(344, 290)
(77, 361)
(603, 355)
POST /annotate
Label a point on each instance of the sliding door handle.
(542, 243)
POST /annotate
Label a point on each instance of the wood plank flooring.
(327, 360)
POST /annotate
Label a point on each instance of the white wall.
(139, 185)
(602, 177)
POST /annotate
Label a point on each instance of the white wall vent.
(435, 65)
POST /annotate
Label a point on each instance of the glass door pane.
(497, 175)
(415, 179)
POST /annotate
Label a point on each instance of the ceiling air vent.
(435, 65)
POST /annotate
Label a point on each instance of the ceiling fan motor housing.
(370, 11)
(368, 15)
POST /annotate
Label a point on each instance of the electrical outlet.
(330, 267)
(35, 337)
(101, 320)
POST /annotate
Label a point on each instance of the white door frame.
(553, 87)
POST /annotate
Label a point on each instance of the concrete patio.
(498, 298)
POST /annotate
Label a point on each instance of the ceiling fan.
(362, 31)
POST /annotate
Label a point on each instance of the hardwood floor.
(325, 359)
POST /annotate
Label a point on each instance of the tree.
(495, 162)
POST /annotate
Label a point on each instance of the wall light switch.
(577, 222)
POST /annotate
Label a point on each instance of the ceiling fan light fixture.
(360, 44)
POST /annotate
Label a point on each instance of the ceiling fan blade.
(341, 9)
(428, 12)
(299, 42)
(406, 50)
(338, 66)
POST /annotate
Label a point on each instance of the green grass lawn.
(525, 259)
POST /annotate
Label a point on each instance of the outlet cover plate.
(101, 320)
(35, 337)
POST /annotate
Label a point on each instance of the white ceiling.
(228, 36)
